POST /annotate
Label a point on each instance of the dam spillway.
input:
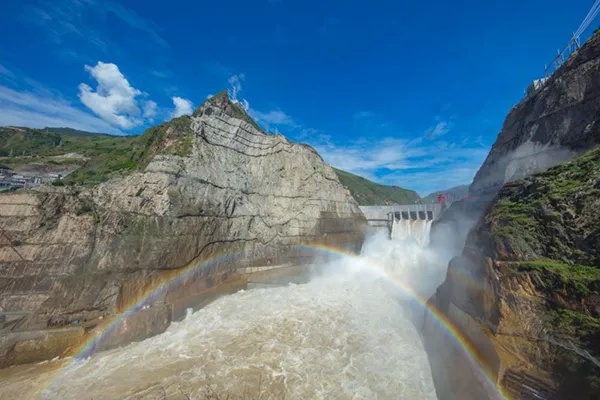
(409, 229)
(346, 334)
(402, 222)
(350, 332)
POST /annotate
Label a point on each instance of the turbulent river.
(347, 334)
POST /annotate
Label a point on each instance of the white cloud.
(440, 129)
(182, 107)
(273, 117)
(37, 109)
(363, 114)
(245, 105)
(65, 21)
(6, 72)
(364, 158)
(426, 182)
(160, 74)
(236, 86)
(135, 21)
(114, 99)
(416, 164)
(150, 108)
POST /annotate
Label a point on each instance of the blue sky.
(409, 93)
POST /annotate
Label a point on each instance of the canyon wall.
(216, 198)
(524, 287)
(550, 125)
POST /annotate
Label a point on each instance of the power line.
(588, 18)
(574, 43)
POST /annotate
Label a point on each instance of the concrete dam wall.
(402, 222)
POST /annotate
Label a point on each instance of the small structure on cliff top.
(575, 42)
(563, 55)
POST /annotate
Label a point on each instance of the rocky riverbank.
(211, 196)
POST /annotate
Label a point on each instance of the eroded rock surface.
(219, 195)
(551, 125)
(529, 281)
(525, 288)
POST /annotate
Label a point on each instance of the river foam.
(347, 334)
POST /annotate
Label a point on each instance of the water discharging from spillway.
(418, 230)
(347, 334)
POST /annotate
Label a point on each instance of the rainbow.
(478, 364)
(87, 348)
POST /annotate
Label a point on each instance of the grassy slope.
(548, 225)
(552, 214)
(368, 193)
(107, 156)
(72, 132)
(458, 192)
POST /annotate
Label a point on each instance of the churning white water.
(347, 334)
(416, 229)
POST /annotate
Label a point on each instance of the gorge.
(216, 259)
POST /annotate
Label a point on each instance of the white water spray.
(347, 334)
(417, 229)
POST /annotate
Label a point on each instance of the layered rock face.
(551, 125)
(525, 291)
(239, 198)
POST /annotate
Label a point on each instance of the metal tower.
(574, 43)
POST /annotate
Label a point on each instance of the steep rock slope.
(213, 189)
(368, 193)
(529, 281)
(525, 290)
(552, 125)
(559, 120)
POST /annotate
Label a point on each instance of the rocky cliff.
(525, 290)
(205, 187)
(549, 126)
(529, 281)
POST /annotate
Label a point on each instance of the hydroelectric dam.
(403, 221)
(349, 332)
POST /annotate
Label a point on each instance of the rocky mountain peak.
(192, 189)
(221, 104)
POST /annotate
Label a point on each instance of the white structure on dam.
(403, 221)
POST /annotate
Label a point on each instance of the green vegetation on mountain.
(368, 193)
(171, 138)
(72, 132)
(546, 227)
(559, 276)
(552, 214)
(27, 143)
(232, 108)
(103, 156)
(92, 158)
(456, 193)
